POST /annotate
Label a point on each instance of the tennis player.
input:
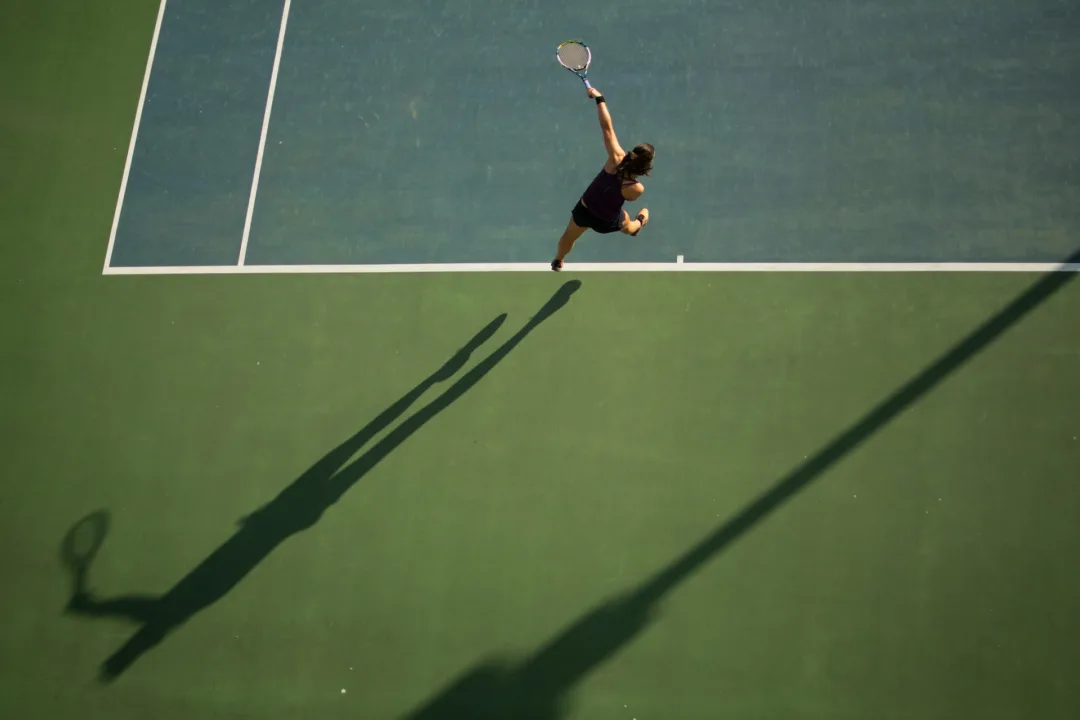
(601, 206)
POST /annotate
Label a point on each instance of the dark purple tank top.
(604, 196)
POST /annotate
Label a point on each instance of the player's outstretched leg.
(566, 243)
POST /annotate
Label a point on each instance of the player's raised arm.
(614, 150)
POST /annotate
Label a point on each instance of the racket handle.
(586, 81)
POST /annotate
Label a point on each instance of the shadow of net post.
(538, 687)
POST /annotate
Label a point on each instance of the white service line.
(262, 136)
(134, 134)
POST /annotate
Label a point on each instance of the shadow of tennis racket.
(80, 546)
(295, 509)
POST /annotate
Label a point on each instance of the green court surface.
(606, 496)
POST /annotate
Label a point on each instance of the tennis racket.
(575, 56)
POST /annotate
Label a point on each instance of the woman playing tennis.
(601, 206)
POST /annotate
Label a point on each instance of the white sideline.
(262, 136)
(134, 134)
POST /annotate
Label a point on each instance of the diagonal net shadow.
(538, 687)
(297, 508)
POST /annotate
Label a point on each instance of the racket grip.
(586, 81)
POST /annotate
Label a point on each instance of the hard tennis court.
(299, 423)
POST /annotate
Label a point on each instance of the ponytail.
(636, 162)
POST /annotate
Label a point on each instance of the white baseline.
(571, 268)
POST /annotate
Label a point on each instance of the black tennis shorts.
(585, 218)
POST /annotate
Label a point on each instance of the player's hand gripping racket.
(575, 56)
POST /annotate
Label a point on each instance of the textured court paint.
(930, 575)
(785, 132)
(677, 400)
(194, 157)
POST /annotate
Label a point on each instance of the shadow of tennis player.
(539, 686)
(296, 508)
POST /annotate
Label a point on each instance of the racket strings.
(574, 56)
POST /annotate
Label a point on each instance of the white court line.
(134, 134)
(262, 136)
(572, 268)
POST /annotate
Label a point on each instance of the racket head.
(574, 55)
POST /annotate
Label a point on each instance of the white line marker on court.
(134, 133)
(678, 258)
(593, 267)
(262, 136)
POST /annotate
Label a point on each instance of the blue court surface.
(429, 133)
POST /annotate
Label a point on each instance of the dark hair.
(636, 162)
